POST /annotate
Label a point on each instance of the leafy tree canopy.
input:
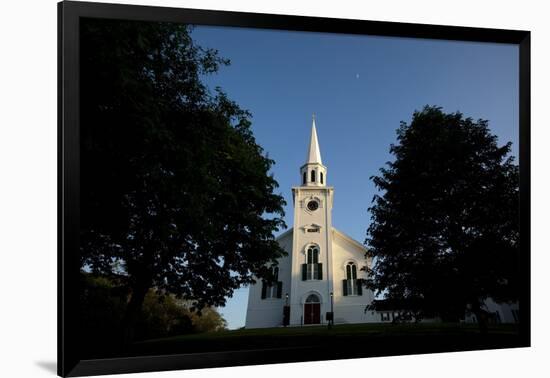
(103, 303)
(174, 188)
(445, 228)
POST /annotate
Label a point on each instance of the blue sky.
(360, 88)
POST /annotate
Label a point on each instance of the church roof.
(289, 231)
(313, 154)
(336, 233)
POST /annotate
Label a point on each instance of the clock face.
(312, 205)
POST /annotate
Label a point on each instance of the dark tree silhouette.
(445, 229)
(174, 189)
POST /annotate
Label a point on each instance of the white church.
(321, 273)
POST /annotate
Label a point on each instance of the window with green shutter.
(279, 289)
(264, 290)
(274, 290)
(345, 287)
(312, 269)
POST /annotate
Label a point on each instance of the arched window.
(351, 271)
(312, 269)
(312, 298)
(312, 255)
(321, 176)
(304, 178)
(312, 176)
(352, 285)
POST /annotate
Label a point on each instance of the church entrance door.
(312, 310)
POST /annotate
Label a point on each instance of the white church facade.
(322, 270)
(321, 274)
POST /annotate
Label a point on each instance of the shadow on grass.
(371, 339)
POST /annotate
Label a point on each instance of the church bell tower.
(313, 172)
(312, 285)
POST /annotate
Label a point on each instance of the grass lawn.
(372, 339)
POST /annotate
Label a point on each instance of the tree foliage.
(174, 187)
(165, 315)
(445, 228)
(103, 304)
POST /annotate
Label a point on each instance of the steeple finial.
(314, 154)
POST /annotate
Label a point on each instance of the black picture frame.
(69, 14)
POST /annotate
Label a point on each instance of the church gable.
(348, 242)
(285, 236)
(285, 242)
(351, 246)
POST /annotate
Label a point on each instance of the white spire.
(314, 154)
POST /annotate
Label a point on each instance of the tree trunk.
(482, 318)
(131, 314)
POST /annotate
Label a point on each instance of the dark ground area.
(372, 339)
(284, 345)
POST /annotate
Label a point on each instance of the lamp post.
(331, 322)
(286, 312)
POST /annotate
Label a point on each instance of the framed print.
(239, 189)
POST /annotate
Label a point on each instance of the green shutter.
(345, 287)
(279, 289)
(264, 289)
(320, 271)
(304, 272)
(359, 287)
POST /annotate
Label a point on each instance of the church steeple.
(313, 172)
(314, 154)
